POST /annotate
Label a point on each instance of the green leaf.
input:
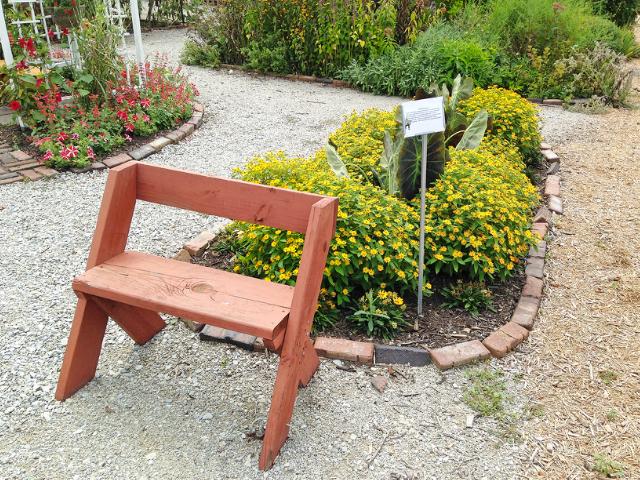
(30, 79)
(336, 163)
(86, 78)
(83, 92)
(474, 133)
(37, 116)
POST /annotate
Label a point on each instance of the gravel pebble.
(181, 408)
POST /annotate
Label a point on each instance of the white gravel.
(181, 408)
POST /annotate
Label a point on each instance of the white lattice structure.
(65, 52)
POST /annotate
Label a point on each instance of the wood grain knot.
(202, 287)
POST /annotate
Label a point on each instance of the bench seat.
(198, 293)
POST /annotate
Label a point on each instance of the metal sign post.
(422, 117)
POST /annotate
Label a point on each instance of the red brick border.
(23, 167)
(498, 344)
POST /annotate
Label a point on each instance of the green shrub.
(380, 313)
(376, 238)
(478, 215)
(470, 296)
(198, 53)
(513, 118)
(438, 55)
(622, 12)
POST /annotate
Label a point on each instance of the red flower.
(22, 65)
(122, 115)
(145, 102)
(15, 105)
(62, 137)
(48, 156)
(70, 152)
(65, 31)
(90, 153)
(51, 33)
(129, 127)
(58, 97)
(39, 82)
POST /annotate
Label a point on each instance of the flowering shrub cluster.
(376, 237)
(73, 134)
(513, 118)
(380, 312)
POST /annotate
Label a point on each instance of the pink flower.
(62, 137)
(146, 118)
(73, 151)
(145, 102)
(119, 99)
(129, 127)
(90, 153)
(75, 136)
(64, 153)
(48, 156)
(127, 137)
(122, 115)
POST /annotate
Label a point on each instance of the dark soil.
(438, 327)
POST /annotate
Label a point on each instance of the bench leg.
(140, 324)
(83, 348)
(310, 363)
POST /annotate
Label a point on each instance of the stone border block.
(550, 156)
(533, 287)
(196, 245)
(552, 185)
(541, 229)
(539, 250)
(159, 143)
(535, 267)
(391, 354)
(343, 349)
(543, 215)
(459, 354)
(142, 152)
(555, 204)
(116, 160)
(526, 312)
(211, 333)
(46, 171)
(31, 175)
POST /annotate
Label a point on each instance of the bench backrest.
(233, 199)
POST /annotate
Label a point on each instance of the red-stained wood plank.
(234, 199)
(291, 370)
(309, 363)
(213, 297)
(140, 324)
(83, 348)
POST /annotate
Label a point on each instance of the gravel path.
(179, 408)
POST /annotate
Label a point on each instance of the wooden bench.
(132, 287)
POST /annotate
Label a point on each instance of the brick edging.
(26, 167)
(497, 344)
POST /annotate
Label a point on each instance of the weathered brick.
(5, 181)
(340, 83)
(183, 256)
(535, 267)
(5, 157)
(258, 345)
(98, 166)
(545, 146)
(198, 107)
(499, 343)
(540, 229)
(555, 204)
(5, 176)
(176, 135)
(539, 250)
(526, 311)
(306, 78)
(554, 102)
(391, 354)
(532, 287)
(217, 334)
(343, 349)
(3, 170)
(31, 174)
(552, 185)
(116, 160)
(19, 166)
(81, 170)
(142, 152)
(550, 156)
(46, 171)
(543, 215)
(20, 156)
(159, 143)
(515, 331)
(196, 119)
(196, 245)
(187, 128)
(553, 169)
(459, 354)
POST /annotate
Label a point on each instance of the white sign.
(422, 117)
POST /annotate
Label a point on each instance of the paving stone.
(515, 331)
(159, 143)
(391, 354)
(21, 156)
(196, 119)
(98, 166)
(3, 170)
(533, 287)
(176, 135)
(198, 107)
(31, 175)
(81, 170)
(543, 215)
(539, 250)
(142, 152)
(46, 171)
(196, 245)
(187, 128)
(552, 185)
(550, 156)
(343, 349)
(23, 165)
(116, 160)
(545, 146)
(555, 204)
(526, 312)
(379, 382)
(459, 354)
(554, 102)
(541, 229)
(535, 267)
(554, 168)
(5, 176)
(17, 178)
(5, 157)
(499, 343)
(216, 334)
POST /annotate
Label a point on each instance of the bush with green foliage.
(380, 313)
(474, 297)
(622, 12)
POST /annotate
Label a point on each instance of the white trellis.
(41, 25)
